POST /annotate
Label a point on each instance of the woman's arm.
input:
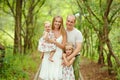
(61, 45)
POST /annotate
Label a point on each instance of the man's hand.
(64, 55)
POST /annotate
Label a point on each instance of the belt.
(77, 55)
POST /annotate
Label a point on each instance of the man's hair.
(72, 16)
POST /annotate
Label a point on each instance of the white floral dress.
(68, 73)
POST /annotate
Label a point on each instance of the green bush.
(18, 67)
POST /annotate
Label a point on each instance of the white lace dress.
(52, 70)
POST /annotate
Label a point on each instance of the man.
(74, 36)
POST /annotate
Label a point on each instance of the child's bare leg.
(42, 54)
(51, 56)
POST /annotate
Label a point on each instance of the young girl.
(68, 72)
(44, 46)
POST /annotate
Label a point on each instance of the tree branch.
(115, 12)
(11, 8)
(109, 2)
(113, 20)
(40, 7)
(90, 11)
(6, 33)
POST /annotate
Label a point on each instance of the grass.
(19, 67)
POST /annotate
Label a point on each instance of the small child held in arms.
(45, 46)
(67, 71)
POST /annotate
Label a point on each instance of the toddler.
(44, 46)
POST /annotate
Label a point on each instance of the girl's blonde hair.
(62, 29)
(70, 45)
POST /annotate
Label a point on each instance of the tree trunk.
(17, 37)
(101, 56)
(2, 55)
(109, 45)
(109, 63)
(29, 29)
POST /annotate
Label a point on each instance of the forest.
(21, 26)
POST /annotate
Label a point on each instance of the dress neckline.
(58, 37)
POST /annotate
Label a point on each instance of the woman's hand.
(50, 40)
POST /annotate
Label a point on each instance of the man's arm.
(76, 50)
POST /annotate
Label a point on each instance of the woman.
(53, 70)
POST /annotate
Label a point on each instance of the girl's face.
(57, 23)
(47, 27)
(68, 50)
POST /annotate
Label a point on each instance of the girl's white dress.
(52, 70)
(68, 73)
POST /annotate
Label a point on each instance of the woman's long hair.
(62, 29)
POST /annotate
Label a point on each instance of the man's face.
(70, 22)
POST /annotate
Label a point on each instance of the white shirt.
(74, 36)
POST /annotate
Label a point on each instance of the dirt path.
(92, 71)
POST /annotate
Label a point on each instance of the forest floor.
(90, 70)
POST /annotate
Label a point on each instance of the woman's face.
(57, 23)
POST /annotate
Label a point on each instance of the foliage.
(118, 73)
(18, 67)
(100, 20)
(115, 39)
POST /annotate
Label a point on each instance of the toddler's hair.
(47, 22)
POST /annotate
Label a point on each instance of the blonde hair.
(69, 44)
(47, 22)
(62, 29)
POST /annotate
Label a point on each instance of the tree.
(102, 18)
(24, 13)
(18, 18)
(29, 13)
(17, 14)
